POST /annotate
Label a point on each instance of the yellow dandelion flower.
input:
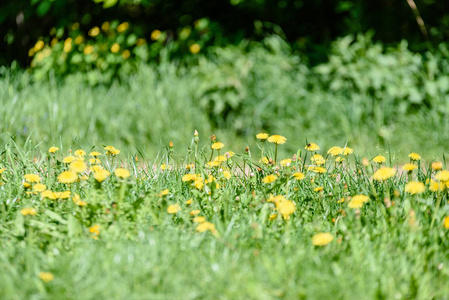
(96, 168)
(67, 177)
(94, 31)
(270, 178)
(409, 167)
(39, 187)
(286, 162)
(199, 183)
(334, 151)
(94, 153)
(32, 178)
(80, 203)
(49, 195)
(122, 27)
(229, 154)
(78, 166)
(63, 195)
(217, 146)
(262, 136)
(436, 186)
(46, 276)
(322, 239)
(173, 208)
(213, 163)
(272, 217)
(320, 170)
(196, 212)
(195, 48)
(190, 201)
(318, 159)
(28, 211)
(277, 139)
(437, 165)
(126, 54)
(156, 34)
(357, 201)
(318, 189)
(79, 39)
(53, 149)
(140, 42)
(379, 159)
(206, 226)
(111, 150)
(88, 50)
(164, 192)
(384, 173)
(286, 208)
(339, 159)
(2, 170)
(38, 46)
(227, 174)
(276, 199)
(312, 147)
(95, 229)
(442, 175)
(188, 177)
(105, 26)
(414, 156)
(415, 187)
(67, 45)
(220, 158)
(446, 222)
(115, 48)
(348, 151)
(298, 176)
(122, 173)
(68, 159)
(101, 175)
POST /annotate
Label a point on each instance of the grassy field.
(221, 225)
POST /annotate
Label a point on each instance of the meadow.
(216, 224)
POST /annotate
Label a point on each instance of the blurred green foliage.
(365, 94)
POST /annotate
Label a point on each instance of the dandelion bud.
(213, 138)
(247, 150)
(196, 137)
(365, 162)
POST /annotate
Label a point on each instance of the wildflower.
(272, 217)
(67, 177)
(32, 178)
(63, 195)
(111, 150)
(190, 201)
(312, 147)
(379, 159)
(365, 162)
(94, 31)
(67, 45)
(80, 203)
(28, 211)
(122, 173)
(53, 149)
(229, 154)
(277, 139)
(196, 212)
(318, 189)
(437, 165)
(26, 185)
(227, 174)
(436, 186)
(39, 187)
(384, 173)
(122, 27)
(68, 159)
(270, 178)
(78, 166)
(286, 162)
(286, 208)
(446, 222)
(96, 168)
(217, 146)
(318, 159)
(213, 163)
(156, 34)
(265, 160)
(339, 159)
(348, 151)
(195, 48)
(95, 229)
(205, 226)
(298, 176)
(164, 192)
(414, 156)
(220, 158)
(2, 170)
(409, 167)
(442, 175)
(262, 136)
(188, 177)
(357, 201)
(95, 153)
(173, 208)
(126, 54)
(199, 183)
(101, 175)
(415, 187)
(49, 195)
(276, 199)
(80, 153)
(322, 239)
(320, 170)
(46, 276)
(334, 151)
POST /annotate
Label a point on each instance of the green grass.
(142, 251)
